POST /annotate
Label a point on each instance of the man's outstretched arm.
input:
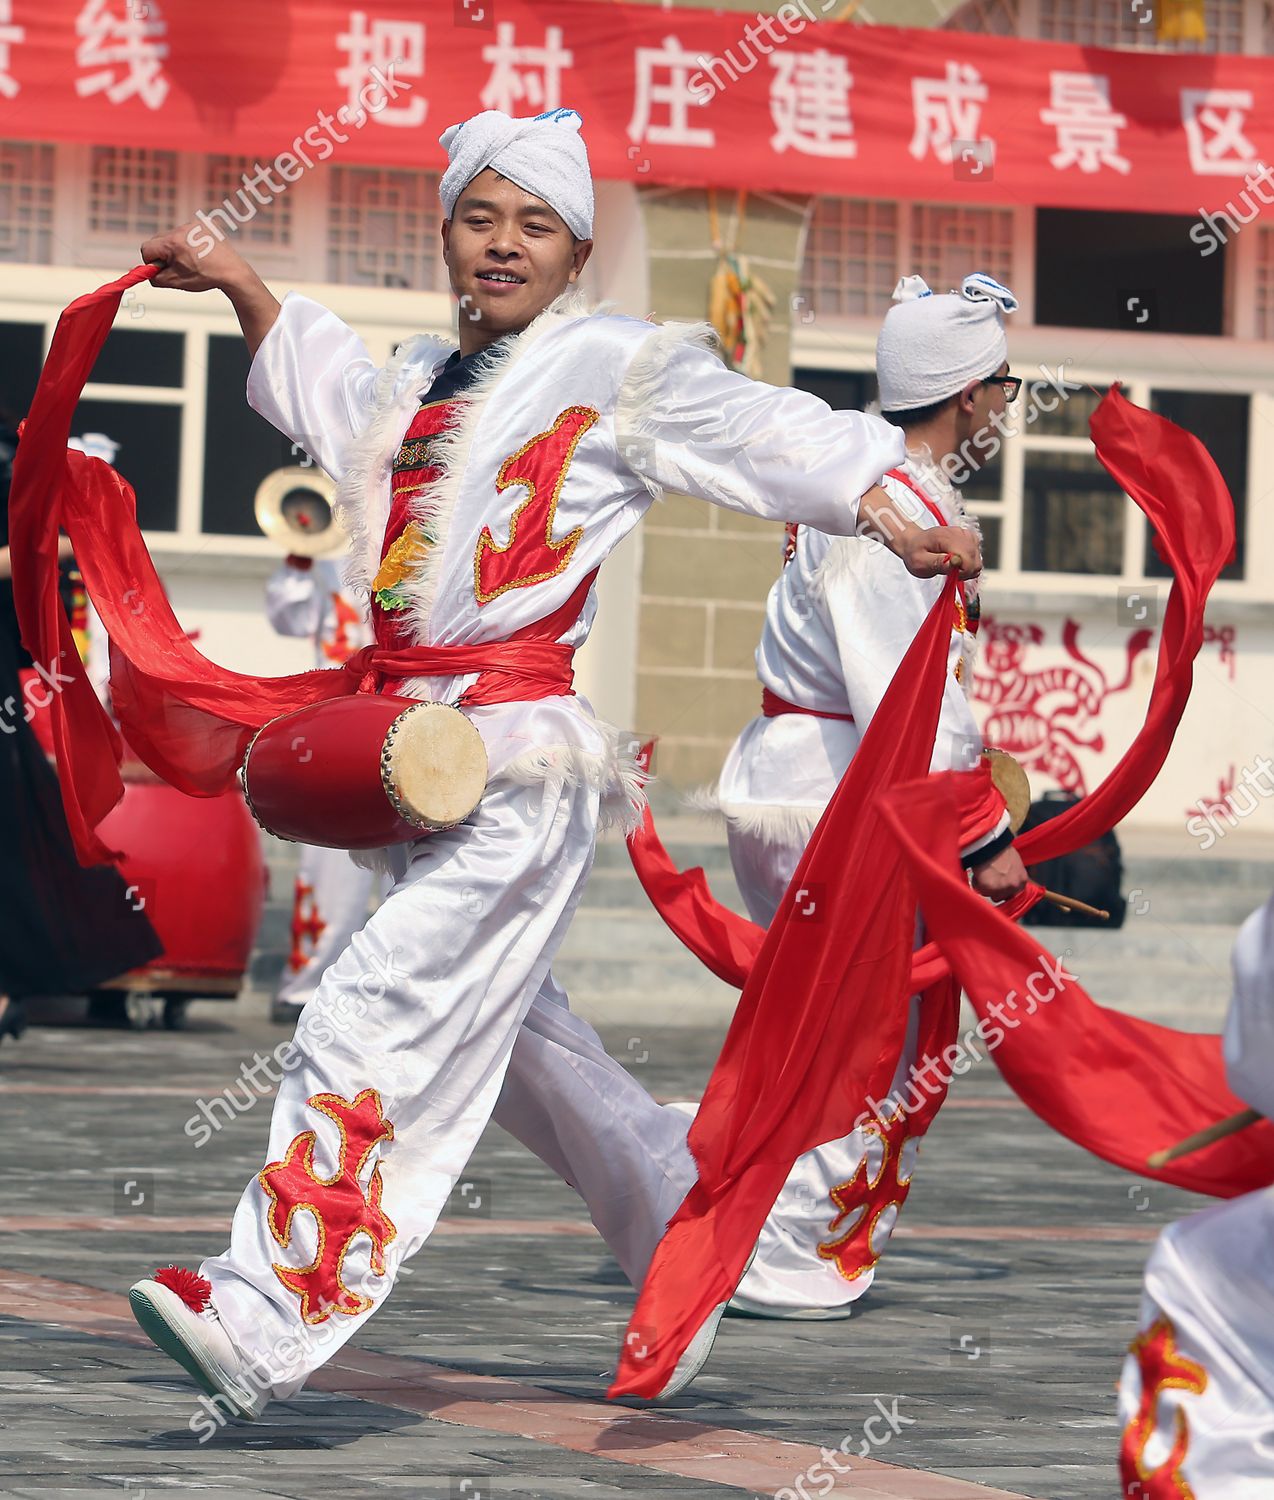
(221, 269)
(692, 426)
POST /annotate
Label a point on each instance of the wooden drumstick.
(1231, 1125)
(1071, 903)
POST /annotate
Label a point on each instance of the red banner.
(796, 104)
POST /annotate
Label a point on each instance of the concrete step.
(1170, 962)
(617, 888)
(1223, 891)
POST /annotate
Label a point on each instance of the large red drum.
(364, 772)
(196, 865)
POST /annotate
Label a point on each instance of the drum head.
(434, 765)
(1012, 784)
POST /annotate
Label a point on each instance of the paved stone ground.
(1002, 1351)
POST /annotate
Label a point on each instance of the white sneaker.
(699, 1347)
(184, 1324)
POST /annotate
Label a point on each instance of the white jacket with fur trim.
(839, 620)
(662, 413)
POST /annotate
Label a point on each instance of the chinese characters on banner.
(678, 96)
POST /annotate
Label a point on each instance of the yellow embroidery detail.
(399, 563)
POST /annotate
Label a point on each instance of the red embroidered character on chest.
(531, 555)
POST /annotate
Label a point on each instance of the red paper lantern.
(227, 55)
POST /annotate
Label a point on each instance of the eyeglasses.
(1011, 384)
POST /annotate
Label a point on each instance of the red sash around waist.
(772, 706)
(530, 663)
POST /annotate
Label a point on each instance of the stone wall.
(706, 571)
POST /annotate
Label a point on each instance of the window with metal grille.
(26, 202)
(256, 223)
(383, 228)
(131, 191)
(851, 256)
(857, 248)
(947, 243)
(1100, 23)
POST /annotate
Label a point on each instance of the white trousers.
(399, 1061)
(799, 1262)
(591, 1122)
(329, 905)
(1196, 1396)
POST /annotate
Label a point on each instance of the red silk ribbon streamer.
(1173, 480)
(188, 719)
(42, 473)
(818, 1028)
(1119, 1086)
(728, 944)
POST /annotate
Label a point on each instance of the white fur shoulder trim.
(784, 824)
(644, 381)
(362, 497)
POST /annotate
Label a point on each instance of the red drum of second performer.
(194, 864)
(364, 772)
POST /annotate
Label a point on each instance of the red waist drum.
(365, 771)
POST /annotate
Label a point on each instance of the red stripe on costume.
(773, 707)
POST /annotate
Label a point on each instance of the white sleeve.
(313, 379)
(293, 601)
(696, 428)
(876, 609)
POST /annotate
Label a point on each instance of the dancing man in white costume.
(838, 623)
(1197, 1392)
(306, 597)
(480, 518)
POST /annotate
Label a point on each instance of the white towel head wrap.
(544, 154)
(931, 346)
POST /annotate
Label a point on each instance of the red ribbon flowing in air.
(728, 944)
(818, 1028)
(1119, 1086)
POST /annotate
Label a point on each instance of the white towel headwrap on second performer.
(931, 346)
(544, 154)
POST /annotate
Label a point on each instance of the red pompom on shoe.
(193, 1289)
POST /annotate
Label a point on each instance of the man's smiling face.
(509, 255)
